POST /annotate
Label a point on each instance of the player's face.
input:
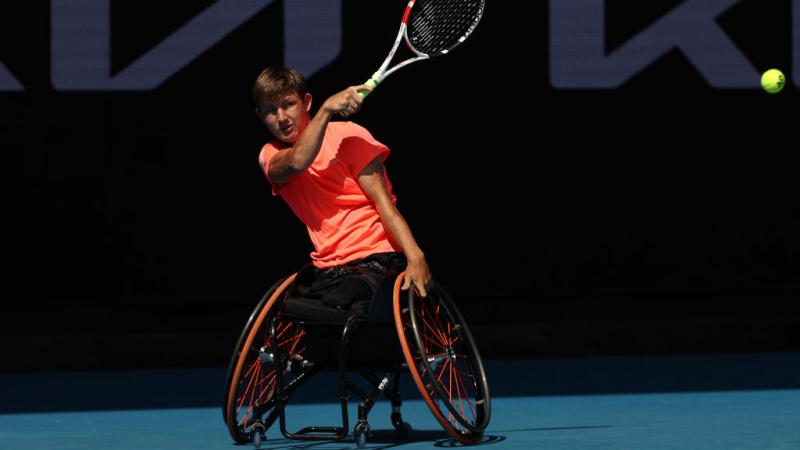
(286, 116)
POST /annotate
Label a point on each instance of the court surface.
(718, 401)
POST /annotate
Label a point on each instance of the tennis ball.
(773, 81)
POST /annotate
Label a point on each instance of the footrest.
(321, 433)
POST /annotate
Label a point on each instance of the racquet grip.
(372, 84)
(364, 93)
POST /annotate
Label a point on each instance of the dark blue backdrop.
(658, 216)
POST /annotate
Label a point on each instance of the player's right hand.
(347, 101)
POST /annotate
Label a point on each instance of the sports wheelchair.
(278, 351)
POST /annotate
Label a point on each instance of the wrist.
(415, 256)
(324, 114)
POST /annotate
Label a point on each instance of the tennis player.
(332, 176)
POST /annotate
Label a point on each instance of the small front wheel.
(360, 434)
(259, 434)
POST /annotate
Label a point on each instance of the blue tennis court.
(714, 401)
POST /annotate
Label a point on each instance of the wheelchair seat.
(372, 340)
(311, 310)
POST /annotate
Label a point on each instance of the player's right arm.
(287, 163)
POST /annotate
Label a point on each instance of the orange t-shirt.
(341, 219)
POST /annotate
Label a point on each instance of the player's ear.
(307, 101)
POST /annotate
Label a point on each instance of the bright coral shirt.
(341, 219)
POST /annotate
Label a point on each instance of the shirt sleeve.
(264, 158)
(359, 148)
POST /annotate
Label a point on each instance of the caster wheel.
(259, 434)
(360, 434)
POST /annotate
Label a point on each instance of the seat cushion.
(314, 310)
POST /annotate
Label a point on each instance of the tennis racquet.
(430, 28)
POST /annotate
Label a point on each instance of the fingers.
(421, 286)
(363, 90)
(353, 105)
(353, 97)
(349, 101)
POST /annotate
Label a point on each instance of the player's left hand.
(418, 274)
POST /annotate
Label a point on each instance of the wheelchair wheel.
(252, 377)
(443, 361)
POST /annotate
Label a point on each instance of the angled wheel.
(443, 360)
(361, 434)
(259, 435)
(251, 382)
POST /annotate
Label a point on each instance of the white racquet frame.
(402, 34)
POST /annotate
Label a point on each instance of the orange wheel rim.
(260, 382)
(448, 382)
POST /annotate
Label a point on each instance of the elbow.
(295, 168)
(297, 165)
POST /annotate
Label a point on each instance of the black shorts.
(336, 293)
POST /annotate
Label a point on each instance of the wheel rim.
(252, 389)
(443, 361)
(257, 388)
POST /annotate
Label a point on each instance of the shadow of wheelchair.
(379, 440)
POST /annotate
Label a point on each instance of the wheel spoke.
(251, 368)
(297, 341)
(269, 384)
(461, 385)
(436, 319)
(249, 385)
(442, 341)
(429, 340)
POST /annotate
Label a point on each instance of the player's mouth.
(287, 130)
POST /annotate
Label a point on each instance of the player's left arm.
(372, 181)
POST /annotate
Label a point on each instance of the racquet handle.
(364, 93)
(372, 84)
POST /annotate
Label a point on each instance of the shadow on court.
(381, 439)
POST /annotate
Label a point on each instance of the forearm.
(417, 272)
(372, 180)
(307, 147)
(398, 229)
(305, 150)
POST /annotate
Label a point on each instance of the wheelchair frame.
(435, 344)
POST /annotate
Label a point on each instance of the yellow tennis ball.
(773, 81)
